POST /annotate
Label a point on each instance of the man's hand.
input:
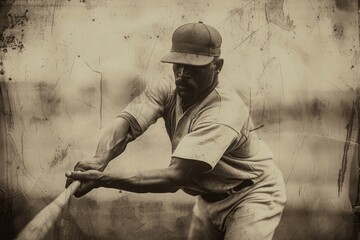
(86, 185)
(90, 175)
(113, 141)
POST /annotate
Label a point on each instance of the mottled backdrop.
(68, 67)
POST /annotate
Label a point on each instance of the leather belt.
(221, 196)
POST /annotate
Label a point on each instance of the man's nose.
(183, 72)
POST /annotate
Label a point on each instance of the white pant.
(252, 213)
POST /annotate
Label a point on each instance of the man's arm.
(164, 180)
(113, 141)
(143, 111)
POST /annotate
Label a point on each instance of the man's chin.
(183, 94)
(186, 98)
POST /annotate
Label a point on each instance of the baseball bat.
(41, 224)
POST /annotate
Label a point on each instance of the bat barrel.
(41, 224)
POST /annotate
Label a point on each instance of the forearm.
(154, 181)
(170, 179)
(113, 141)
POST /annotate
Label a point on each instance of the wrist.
(95, 183)
(103, 180)
(101, 163)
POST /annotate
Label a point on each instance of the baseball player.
(216, 155)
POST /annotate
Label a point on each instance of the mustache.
(182, 81)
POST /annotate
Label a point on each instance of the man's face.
(191, 81)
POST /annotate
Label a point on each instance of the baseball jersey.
(216, 130)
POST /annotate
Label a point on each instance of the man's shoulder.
(229, 96)
(233, 110)
(229, 102)
(225, 106)
(160, 89)
(164, 85)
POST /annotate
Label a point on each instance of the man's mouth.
(181, 88)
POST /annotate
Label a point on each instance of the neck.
(187, 104)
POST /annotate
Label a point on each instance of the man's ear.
(219, 64)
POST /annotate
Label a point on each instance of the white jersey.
(216, 130)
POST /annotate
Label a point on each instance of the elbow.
(174, 189)
(178, 180)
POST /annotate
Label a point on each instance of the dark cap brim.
(187, 58)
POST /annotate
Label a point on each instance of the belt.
(221, 196)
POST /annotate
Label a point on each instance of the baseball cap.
(194, 44)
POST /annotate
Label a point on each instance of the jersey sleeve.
(206, 143)
(149, 105)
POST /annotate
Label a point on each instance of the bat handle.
(41, 224)
(73, 187)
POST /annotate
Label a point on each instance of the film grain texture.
(68, 67)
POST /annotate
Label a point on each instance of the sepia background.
(68, 67)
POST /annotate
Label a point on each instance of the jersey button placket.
(179, 131)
